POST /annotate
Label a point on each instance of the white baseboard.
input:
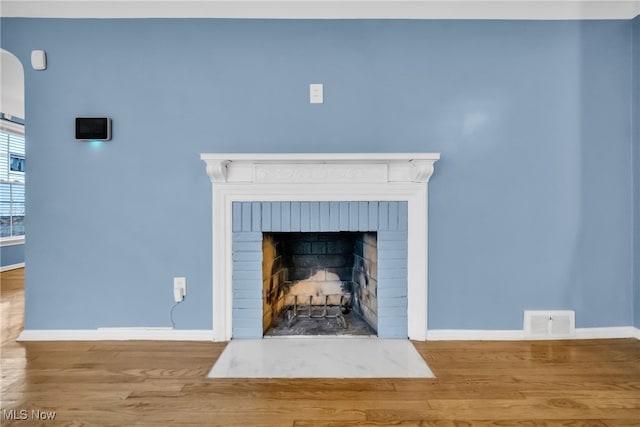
(474, 335)
(519, 335)
(613, 332)
(116, 334)
(11, 267)
(168, 334)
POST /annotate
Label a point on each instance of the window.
(16, 162)
(12, 179)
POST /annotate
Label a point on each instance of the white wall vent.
(549, 324)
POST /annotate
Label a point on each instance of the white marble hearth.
(320, 358)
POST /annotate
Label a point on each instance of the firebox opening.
(319, 283)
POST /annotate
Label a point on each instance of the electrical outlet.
(179, 288)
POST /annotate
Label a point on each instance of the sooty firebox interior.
(319, 283)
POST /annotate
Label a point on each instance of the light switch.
(316, 93)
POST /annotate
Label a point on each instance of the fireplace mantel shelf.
(269, 168)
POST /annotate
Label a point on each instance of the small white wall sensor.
(38, 60)
(316, 93)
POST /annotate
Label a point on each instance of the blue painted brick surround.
(251, 219)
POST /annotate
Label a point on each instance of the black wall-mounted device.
(93, 128)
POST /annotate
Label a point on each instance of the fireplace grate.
(329, 311)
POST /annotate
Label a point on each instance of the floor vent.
(549, 324)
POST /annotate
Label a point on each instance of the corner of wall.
(635, 146)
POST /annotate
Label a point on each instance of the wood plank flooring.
(544, 383)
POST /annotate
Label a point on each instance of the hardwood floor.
(572, 383)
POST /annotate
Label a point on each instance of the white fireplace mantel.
(320, 167)
(320, 177)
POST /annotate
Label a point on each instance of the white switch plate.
(316, 93)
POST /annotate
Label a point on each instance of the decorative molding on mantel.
(320, 167)
(423, 169)
(217, 170)
(320, 177)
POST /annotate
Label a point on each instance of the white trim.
(168, 334)
(305, 158)
(609, 332)
(11, 267)
(474, 335)
(12, 127)
(324, 9)
(11, 241)
(518, 335)
(115, 334)
(405, 177)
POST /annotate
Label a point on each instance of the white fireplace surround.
(320, 177)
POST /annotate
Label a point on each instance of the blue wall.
(635, 114)
(11, 255)
(530, 206)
